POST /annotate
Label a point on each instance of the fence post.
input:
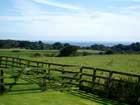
(37, 67)
(1, 82)
(42, 65)
(63, 76)
(80, 78)
(109, 84)
(6, 61)
(28, 63)
(20, 63)
(138, 91)
(0, 61)
(93, 78)
(13, 62)
(49, 72)
(43, 84)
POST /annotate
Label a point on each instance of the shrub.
(50, 55)
(36, 55)
(86, 53)
(101, 53)
(15, 51)
(68, 51)
(109, 52)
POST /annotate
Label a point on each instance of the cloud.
(126, 0)
(56, 4)
(106, 26)
(136, 0)
(134, 8)
(39, 23)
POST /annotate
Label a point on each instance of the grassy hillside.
(127, 63)
(119, 62)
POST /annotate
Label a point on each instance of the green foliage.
(15, 51)
(99, 47)
(24, 44)
(36, 55)
(39, 45)
(109, 52)
(57, 46)
(68, 51)
(132, 48)
(86, 53)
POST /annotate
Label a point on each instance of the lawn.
(49, 97)
(30, 94)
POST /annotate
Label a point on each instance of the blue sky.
(70, 20)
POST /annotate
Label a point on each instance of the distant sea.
(89, 43)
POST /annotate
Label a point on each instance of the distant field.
(119, 62)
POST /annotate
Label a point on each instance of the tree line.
(36, 45)
(119, 48)
(39, 45)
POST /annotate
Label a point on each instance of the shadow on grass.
(95, 98)
(75, 92)
(12, 88)
(24, 91)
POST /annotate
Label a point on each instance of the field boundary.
(112, 84)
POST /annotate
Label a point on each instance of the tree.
(109, 52)
(135, 46)
(57, 45)
(68, 51)
(98, 47)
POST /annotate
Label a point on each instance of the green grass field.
(31, 95)
(120, 62)
(50, 97)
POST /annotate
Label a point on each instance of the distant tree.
(135, 46)
(39, 45)
(68, 51)
(98, 47)
(66, 44)
(57, 45)
(109, 52)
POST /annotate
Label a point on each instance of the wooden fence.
(113, 84)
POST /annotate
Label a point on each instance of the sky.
(70, 20)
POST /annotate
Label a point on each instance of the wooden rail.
(86, 78)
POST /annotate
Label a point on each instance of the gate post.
(80, 79)
(43, 81)
(138, 92)
(1, 82)
(0, 61)
(109, 84)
